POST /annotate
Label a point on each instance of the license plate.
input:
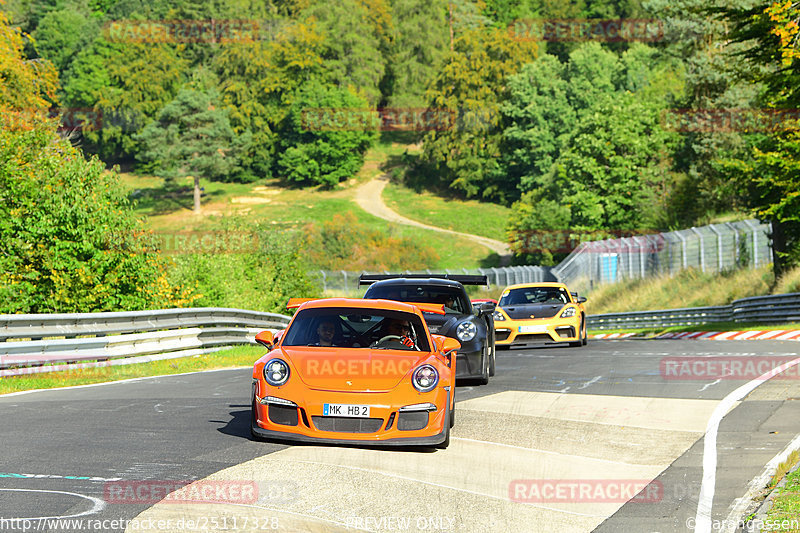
(340, 409)
(532, 329)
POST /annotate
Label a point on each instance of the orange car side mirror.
(265, 339)
(450, 344)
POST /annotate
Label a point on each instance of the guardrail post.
(719, 246)
(344, 275)
(324, 281)
(702, 248)
(683, 247)
(755, 242)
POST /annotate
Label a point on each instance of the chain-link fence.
(710, 248)
(347, 282)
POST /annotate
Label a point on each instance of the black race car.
(473, 326)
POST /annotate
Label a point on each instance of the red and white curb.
(757, 335)
(611, 336)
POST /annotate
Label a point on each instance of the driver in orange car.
(392, 327)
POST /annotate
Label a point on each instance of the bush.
(71, 242)
(343, 243)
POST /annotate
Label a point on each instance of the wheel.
(585, 339)
(493, 361)
(484, 379)
(581, 337)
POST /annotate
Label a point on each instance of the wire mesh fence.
(343, 281)
(715, 247)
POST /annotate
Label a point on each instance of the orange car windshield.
(357, 328)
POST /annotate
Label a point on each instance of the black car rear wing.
(464, 279)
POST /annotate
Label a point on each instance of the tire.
(484, 379)
(453, 410)
(492, 361)
(585, 339)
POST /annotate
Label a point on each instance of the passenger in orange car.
(325, 333)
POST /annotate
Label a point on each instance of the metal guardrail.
(758, 309)
(67, 341)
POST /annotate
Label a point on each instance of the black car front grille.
(566, 332)
(343, 424)
(412, 421)
(533, 337)
(283, 415)
(501, 335)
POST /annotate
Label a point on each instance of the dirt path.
(368, 197)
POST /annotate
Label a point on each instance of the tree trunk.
(197, 194)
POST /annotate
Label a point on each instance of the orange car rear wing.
(294, 303)
(428, 308)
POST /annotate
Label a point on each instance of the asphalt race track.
(558, 441)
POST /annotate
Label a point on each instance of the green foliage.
(352, 46)
(343, 243)
(315, 148)
(463, 157)
(419, 45)
(190, 137)
(262, 279)
(61, 33)
(128, 83)
(583, 141)
(70, 239)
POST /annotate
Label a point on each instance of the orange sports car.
(539, 313)
(356, 371)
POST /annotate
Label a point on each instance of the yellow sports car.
(537, 313)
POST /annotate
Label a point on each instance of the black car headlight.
(497, 315)
(276, 372)
(569, 312)
(425, 378)
(466, 331)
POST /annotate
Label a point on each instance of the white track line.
(706, 499)
(97, 505)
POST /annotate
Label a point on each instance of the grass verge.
(784, 515)
(233, 357)
(467, 216)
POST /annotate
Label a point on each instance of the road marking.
(706, 499)
(590, 382)
(707, 385)
(97, 504)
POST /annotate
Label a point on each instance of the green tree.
(420, 42)
(61, 33)
(191, 136)
(71, 241)
(324, 136)
(127, 83)
(464, 156)
(353, 45)
(767, 178)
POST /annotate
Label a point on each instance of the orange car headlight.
(569, 312)
(276, 372)
(498, 316)
(425, 378)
